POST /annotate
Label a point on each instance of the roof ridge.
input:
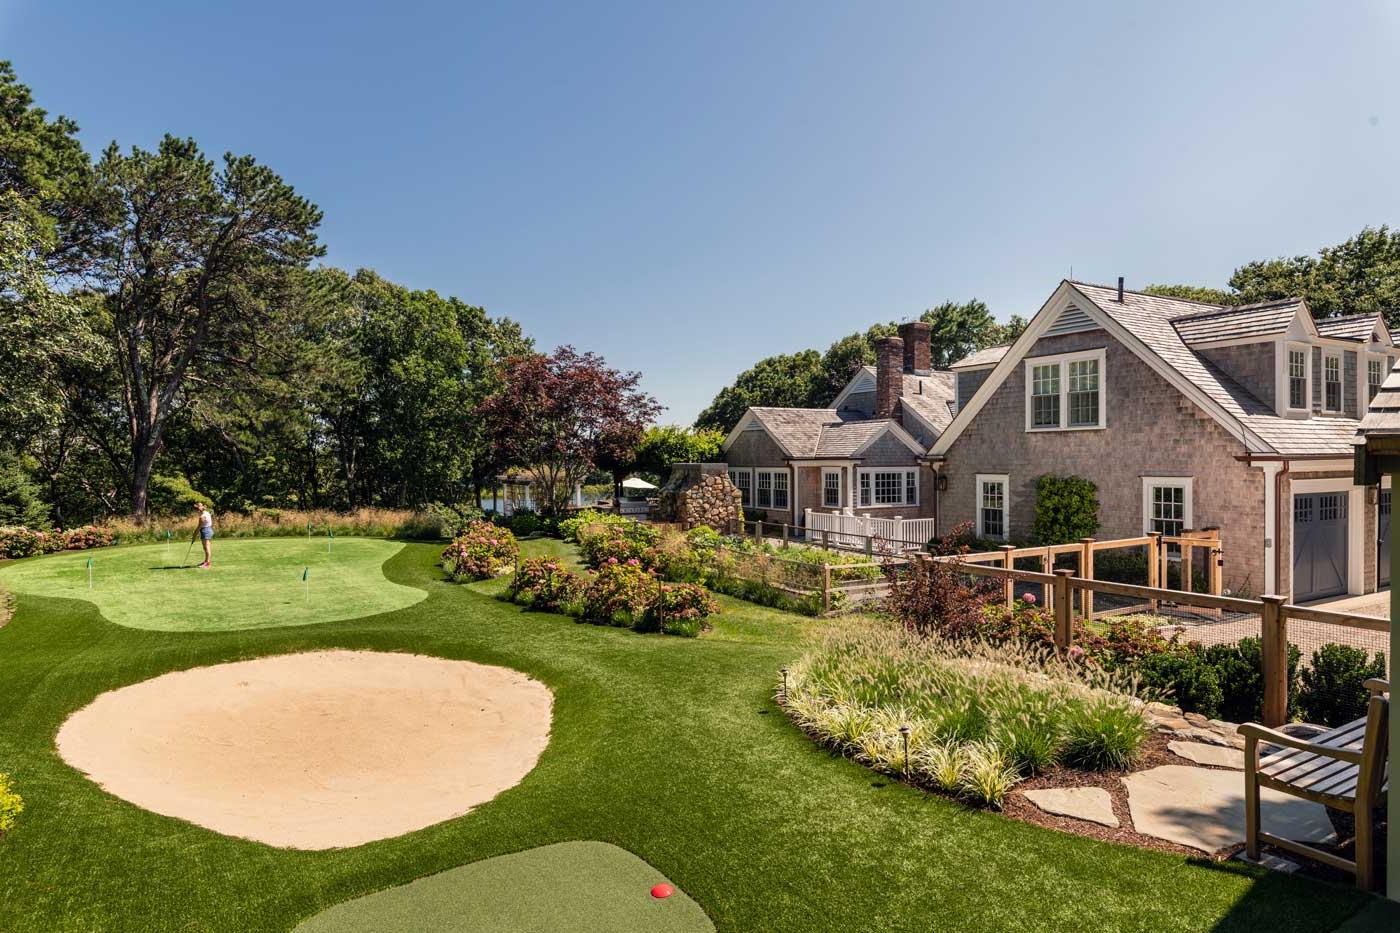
(1222, 310)
(1129, 291)
(1349, 317)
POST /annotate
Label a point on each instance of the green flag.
(305, 574)
(89, 563)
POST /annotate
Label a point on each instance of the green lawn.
(582, 886)
(253, 583)
(669, 748)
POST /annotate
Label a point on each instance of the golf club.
(186, 561)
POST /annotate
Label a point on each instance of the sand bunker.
(317, 750)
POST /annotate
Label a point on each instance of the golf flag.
(89, 569)
(305, 574)
(306, 582)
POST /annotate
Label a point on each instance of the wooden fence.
(1273, 612)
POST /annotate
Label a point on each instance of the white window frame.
(1378, 360)
(1329, 356)
(748, 500)
(866, 475)
(1005, 480)
(771, 474)
(1186, 483)
(828, 472)
(1288, 350)
(1063, 360)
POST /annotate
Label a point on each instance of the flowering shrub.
(544, 584)
(621, 593)
(17, 542)
(632, 541)
(482, 550)
(681, 609)
(570, 529)
(88, 536)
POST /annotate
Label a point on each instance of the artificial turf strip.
(253, 583)
(670, 748)
(568, 886)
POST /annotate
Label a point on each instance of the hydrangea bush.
(481, 551)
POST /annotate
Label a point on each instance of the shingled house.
(1186, 415)
(864, 453)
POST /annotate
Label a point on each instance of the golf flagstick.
(89, 573)
(306, 581)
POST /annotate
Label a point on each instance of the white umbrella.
(634, 482)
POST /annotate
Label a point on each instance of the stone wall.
(700, 494)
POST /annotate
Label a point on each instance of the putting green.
(254, 583)
(583, 886)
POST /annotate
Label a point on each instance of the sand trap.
(317, 750)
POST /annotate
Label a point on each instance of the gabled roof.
(820, 433)
(936, 383)
(988, 357)
(1265, 319)
(1146, 325)
(1354, 327)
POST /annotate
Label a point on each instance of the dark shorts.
(206, 533)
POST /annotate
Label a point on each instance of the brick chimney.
(889, 375)
(918, 356)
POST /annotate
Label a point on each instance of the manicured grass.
(669, 748)
(580, 886)
(254, 583)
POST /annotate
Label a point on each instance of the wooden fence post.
(758, 531)
(1273, 638)
(869, 544)
(826, 539)
(1154, 564)
(1008, 560)
(1064, 609)
(826, 588)
(1188, 562)
(1086, 570)
(785, 534)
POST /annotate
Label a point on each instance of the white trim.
(1285, 397)
(1330, 354)
(836, 472)
(1187, 484)
(857, 384)
(1363, 377)
(1005, 480)
(1063, 294)
(772, 487)
(905, 503)
(1063, 361)
(1271, 530)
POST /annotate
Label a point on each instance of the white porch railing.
(853, 531)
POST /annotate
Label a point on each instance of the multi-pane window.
(743, 479)
(1375, 375)
(1045, 396)
(1168, 510)
(1332, 382)
(780, 490)
(1302, 509)
(1083, 393)
(1297, 378)
(1065, 392)
(888, 487)
(991, 507)
(764, 497)
(1328, 507)
(831, 489)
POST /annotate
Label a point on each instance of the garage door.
(1319, 545)
(1383, 533)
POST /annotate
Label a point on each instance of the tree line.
(165, 335)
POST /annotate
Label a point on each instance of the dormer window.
(1298, 378)
(1064, 392)
(1375, 375)
(1332, 381)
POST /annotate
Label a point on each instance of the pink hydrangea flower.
(1028, 598)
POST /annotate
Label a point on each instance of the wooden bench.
(1344, 769)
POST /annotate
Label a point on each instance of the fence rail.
(1273, 613)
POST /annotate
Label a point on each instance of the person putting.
(206, 532)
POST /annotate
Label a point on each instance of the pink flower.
(1028, 598)
(1076, 652)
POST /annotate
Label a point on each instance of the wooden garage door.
(1319, 545)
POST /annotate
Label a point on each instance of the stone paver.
(1204, 809)
(1203, 754)
(1083, 803)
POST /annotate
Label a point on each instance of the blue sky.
(686, 188)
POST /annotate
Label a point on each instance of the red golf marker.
(662, 890)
